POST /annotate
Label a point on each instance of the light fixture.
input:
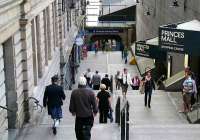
(175, 3)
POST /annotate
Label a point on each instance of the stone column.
(39, 53)
(34, 52)
(49, 32)
(10, 82)
(45, 36)
(27, 64)
(27, 61)
(60, 29)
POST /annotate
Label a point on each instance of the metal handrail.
(125, 121)
(36, 101)
(5, 108)
(111, 86)
(160, 79)
(122, 118)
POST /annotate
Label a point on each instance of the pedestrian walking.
(149, 85)
(122, 49)
(53, 99)
(136, 83)
(88, 76)
(118, 80)
(84, 51)
(103, 45)
(96, 81)
(104, 104)
(96, 47)
(189, 90)
(83, 106)
(126, 81)
(126, 55)
(106, 81)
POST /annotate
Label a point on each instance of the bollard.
(111, 86)
(117, 111)
(123, 123)
(127, 121)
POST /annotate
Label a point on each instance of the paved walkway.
(158, 123)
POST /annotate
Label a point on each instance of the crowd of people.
(95, 79)
(85, 105)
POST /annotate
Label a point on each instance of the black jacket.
(107, 82)
(53, 96)
(149, 85)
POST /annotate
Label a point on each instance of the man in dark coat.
(106, 81)
(53, 97)
(83, 105)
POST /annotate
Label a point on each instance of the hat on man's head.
(55, 78)
(82, 81)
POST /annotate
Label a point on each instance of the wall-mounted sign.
(149, 51)
(103, 31)
(178, 40)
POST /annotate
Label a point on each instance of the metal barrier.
(122, 118)
(5, 108)
(117, 111)
(111, 81)
(36, 101)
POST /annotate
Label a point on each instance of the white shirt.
(126, 78)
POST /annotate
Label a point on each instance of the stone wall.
(162, 12)
(29, 36)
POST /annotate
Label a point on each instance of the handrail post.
(117, 111)
(123, 123)
(111, 86)
(127, 121)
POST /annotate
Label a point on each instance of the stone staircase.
(161, 122)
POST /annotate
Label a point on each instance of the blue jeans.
(147, 96)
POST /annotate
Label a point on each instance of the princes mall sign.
(179, 40)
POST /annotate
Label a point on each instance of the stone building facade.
(153, 13)
(34, 39)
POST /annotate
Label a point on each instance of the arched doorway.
(106, 42)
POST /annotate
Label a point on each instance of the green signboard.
(149, 51)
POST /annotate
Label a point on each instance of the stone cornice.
(10, 5)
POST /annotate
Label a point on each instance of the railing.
(5, 108)
(36, 101)
(122, 118)
(161, 79)
(175, 78)
(111, 81)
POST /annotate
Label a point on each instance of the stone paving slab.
(165, 132)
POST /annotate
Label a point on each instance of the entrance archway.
(106, 42)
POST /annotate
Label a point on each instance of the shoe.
(54, 130)
(149, 106)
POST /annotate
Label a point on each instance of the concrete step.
(164, 132)
(64, 131)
